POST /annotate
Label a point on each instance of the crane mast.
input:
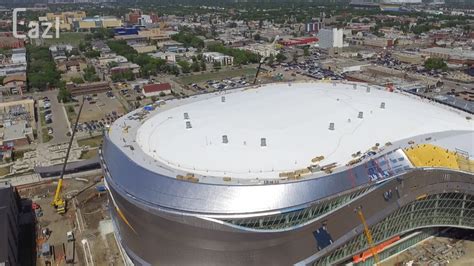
(368, 235)
(59, 203)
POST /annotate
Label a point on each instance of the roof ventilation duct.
(331, 126)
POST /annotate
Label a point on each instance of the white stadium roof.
(294, 120)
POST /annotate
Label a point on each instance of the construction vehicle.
(70, 254)
(59, 203)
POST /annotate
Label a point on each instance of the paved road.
(34, 177)
(60, 123)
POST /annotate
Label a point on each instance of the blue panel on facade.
(323, 238)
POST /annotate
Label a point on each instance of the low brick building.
(88, 88)
(150, 90)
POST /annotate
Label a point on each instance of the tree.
(185, 67)
(103, 34)
(203, 65)
(217, 65)
(90, 74)
(41, 69)
(280, 57)
(70, 109)
(306, 51)
(77, 80)
(195, 66)
(436, 63)
(188, 39)
(241, 57)
(257, 37)
(64, 95)
(123, 76)
(112, 64)
(92, 54)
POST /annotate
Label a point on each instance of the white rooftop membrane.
(294, 120)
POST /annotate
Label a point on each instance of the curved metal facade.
(197, 224)
(172, 194)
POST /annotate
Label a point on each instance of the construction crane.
(368, 234)
(59, 203)
(262, 60)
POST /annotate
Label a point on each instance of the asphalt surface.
(60, 122)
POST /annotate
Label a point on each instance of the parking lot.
(310, 67)
(99, 111)
(56, 122)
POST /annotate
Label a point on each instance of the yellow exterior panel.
(111, 23)
(87, 24)
(428, 155)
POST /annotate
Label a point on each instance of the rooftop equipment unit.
(225, 139)
(223, 99)
(361, 115)
(355, 86)
(368, 89)
(186, 116)
(188, 125)
(263, 142)
(382, 105)
(331, 126)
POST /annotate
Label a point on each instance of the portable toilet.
(46, 250)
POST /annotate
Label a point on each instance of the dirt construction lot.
(87, 217)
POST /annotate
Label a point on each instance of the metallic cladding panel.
(164, 239)
(161, 238)
(169, 192)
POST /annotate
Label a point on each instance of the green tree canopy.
(436, 63)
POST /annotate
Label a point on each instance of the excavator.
(59, 203)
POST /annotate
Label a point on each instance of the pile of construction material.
(437, 252)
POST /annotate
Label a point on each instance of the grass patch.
(89, 154)
(43, 120)
(72, 38)
(45, 136)
(222, 74)
(4, 170)
(71, 113)
(91, 142)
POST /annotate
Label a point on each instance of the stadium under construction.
(290, 173)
